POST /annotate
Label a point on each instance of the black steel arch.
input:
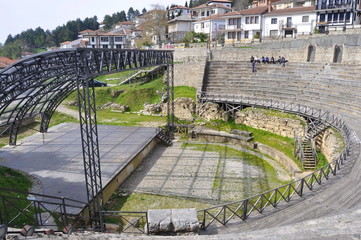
(35, 86)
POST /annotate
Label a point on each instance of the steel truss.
(35, 86)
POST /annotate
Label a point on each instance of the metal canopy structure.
(35, 86)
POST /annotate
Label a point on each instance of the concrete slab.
(56, 159)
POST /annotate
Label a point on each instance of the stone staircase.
(309, 160)
(304, 83)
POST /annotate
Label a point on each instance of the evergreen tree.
(9, 39)
(186, 4)
(190, 3)
(130, 13)
(136, 13)
(144, 10)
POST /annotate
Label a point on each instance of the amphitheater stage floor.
(56, 159)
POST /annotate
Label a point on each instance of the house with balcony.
(289, 22)
(252, 22)
(232, 27)
(106, 40)
(337, 13)
(177, 11)
(211, 8)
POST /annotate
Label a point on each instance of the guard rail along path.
(242, 209)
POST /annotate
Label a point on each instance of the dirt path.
(65, 110)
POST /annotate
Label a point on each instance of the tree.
(144, 10)
(186, 4)
(156, 24)
(9, 39)
(190, 3)
(136, 13)
(130, 13)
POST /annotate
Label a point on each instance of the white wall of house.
(302, 22)
(214, 26)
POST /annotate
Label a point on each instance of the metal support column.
(90, 143)
(170, 102)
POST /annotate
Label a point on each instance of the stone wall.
(190, 54)
(295, 50)
(189, 73)
(330, 144)
(258, 118)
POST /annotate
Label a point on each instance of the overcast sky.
(19, 15)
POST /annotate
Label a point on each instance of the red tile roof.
(254, 11)
(4, 62)
(216, 16)
(292, 10)
(86, 31)
(235, 13)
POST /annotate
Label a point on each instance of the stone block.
(185, 220)
(159, 220)
(172, 220)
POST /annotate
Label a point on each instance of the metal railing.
(145, 75)
(242, 209)
(128, 222)
(18, 208)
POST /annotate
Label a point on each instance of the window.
(104, 39)
(256, 20)
(202, 25)
(213, 11)
(207, 13)
(118, 39)
(273, 20)
(273, 33)
(118, 46)
(231, 21)
(231, 35)
(202, 14)
(322, 17)
(246, 34)
(105, 46)
(305, 18)
(335, 17)
(247, 20)
(93, 39)
(252, 20)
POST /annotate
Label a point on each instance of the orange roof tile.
(254, 11)
(292, 10)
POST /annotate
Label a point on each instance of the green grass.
(145, 201)
(185, 91)
(120, 75)
(283, 144)
(13, 179)
(107, 117)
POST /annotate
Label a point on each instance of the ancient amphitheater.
(320, 80)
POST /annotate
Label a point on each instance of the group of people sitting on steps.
(281, 60)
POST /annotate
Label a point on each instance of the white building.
(177, 11)
(251, 25)
(106, 40)
(213, 26)
(210, 8)
(179, 27)
(289, 22)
